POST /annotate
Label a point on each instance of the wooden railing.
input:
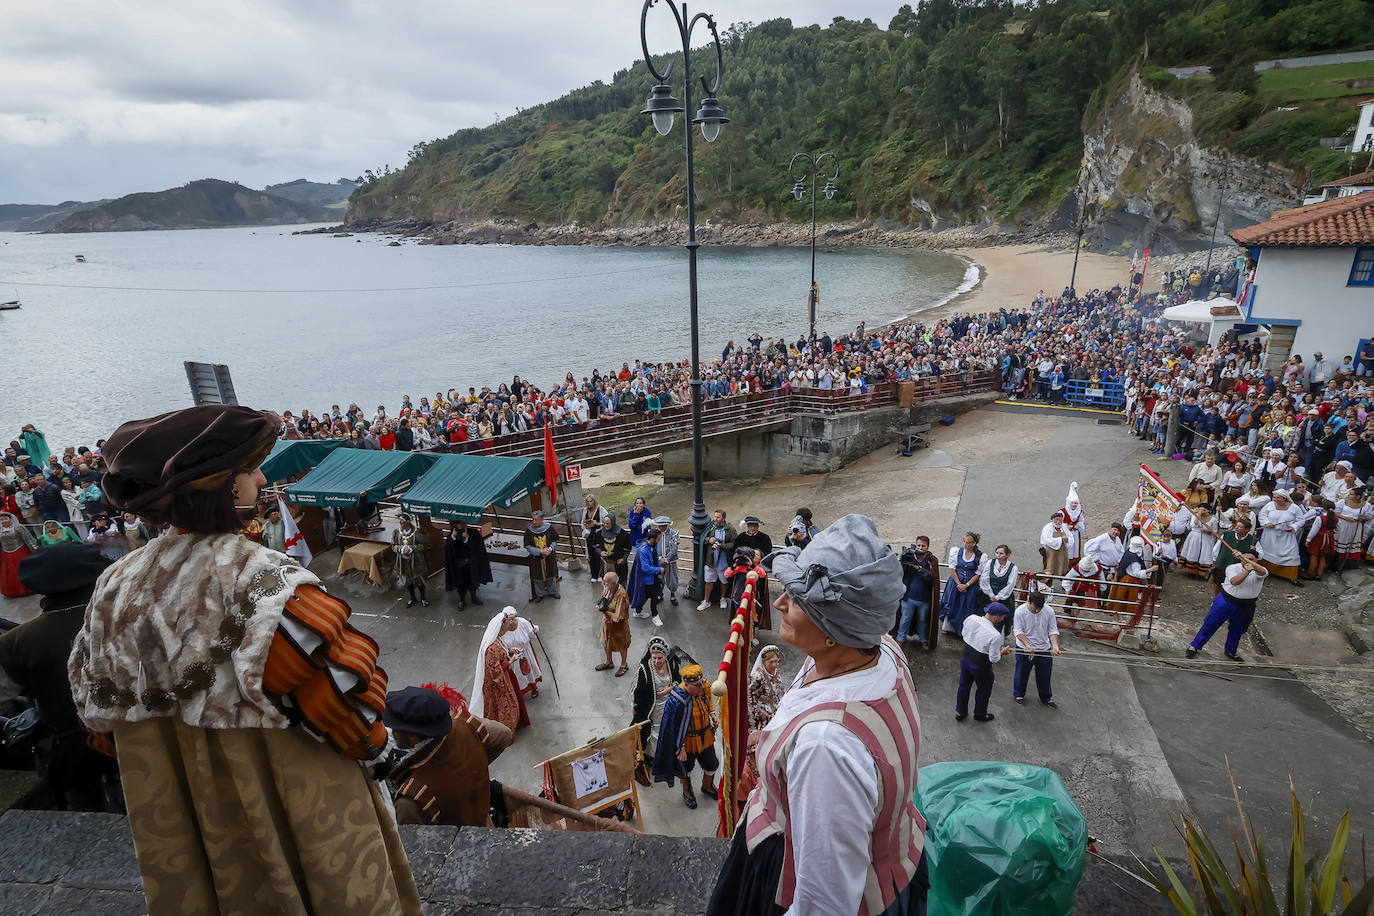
(630, 435)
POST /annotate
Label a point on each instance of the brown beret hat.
(200, 447)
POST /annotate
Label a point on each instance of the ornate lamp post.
(810, 169)
(662, 107)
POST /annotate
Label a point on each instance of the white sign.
(589, 774)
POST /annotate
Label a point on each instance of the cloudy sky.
(106, 97)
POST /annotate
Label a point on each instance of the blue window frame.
(1362, 271)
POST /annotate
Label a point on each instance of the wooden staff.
(736, 652)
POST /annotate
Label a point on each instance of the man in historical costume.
(1036, 632)
(659, 670)
(274, 530)
(757, 540)
(495, 693)
(1280, 521)
(687, 737)
(921, 579)
(717, 549)
(983, 646)
(443, 777)
(1236, 540)
(1108, 546)
(614, 605)
(1054, 545)
(518, 636)
(1234, 605)
(646, 578)
(33, 662)
(466, 564)
(612, 544)
(669, 545)
(737, 579)
(410, 544)
(239, 698)
(541, 544)
(593, 515)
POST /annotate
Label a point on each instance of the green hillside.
(970, 109)
(200, 204)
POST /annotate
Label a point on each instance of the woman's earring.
(829, 643)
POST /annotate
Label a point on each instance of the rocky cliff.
(1152, 182)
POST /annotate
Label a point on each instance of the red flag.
(550, 463)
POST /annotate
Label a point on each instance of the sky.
(103, 98)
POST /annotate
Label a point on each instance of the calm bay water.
(309, 321)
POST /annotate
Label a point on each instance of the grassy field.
(1311, 84)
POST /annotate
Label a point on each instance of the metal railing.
(1095, 615)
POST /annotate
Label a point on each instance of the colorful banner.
(1155, 506)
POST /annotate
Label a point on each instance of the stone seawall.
(816, 444)
(61, 862)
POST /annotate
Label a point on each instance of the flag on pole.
(550, 463)
(1156, 506)
(295, 541)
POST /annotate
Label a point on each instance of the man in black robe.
(754, 537)
(466, 566)
(612, 543)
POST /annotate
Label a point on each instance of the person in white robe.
(1201, 543)
(1054, 549)
(528, 674)
(1076, 522)
(1279, 524)
(1352, 524)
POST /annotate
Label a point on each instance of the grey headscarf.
(847, 581)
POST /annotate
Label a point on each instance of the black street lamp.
(1223, 182)
(662, 107)
(810, 169)
(1078, 245)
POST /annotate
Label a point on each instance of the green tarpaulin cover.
(349, 473)
(290, 457)
(460, 487)
(1002, 839)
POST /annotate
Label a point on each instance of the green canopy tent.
(347, 475)
(460, 487)
(290, 457)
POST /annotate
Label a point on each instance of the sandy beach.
(1013, 274)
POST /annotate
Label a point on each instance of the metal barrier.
(1106, 395)
(1095, 615)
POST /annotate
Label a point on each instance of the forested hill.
(202, 204)
(961, 108)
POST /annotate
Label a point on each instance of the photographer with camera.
(921, 577)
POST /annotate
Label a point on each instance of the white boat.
(10, 306)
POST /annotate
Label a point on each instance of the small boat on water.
(10, 306)
(81, 259)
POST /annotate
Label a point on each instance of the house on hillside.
(1313, 281)
(1364, 129)
(1342, 187)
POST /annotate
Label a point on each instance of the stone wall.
(815, 444)
(60, 862)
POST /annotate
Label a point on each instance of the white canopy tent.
(1199, 312)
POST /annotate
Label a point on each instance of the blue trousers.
(974, 674)
(1043, 664)
(1224, 610)
(920, 611)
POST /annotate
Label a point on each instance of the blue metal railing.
(1106, 395)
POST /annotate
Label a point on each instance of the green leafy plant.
(1314, 885)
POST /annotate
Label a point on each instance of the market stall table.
(366, 557)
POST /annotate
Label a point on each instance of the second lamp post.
(810, 168)
(662, 107)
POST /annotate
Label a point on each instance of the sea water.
(309, 321)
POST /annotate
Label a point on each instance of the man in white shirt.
(1037, 641)
(983, 641)
(1235, 603)
(1209, 472)
(1107, 548)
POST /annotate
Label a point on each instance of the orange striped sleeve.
(348, 720)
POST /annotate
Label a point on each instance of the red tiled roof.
(1361, 178)
(1339, 223)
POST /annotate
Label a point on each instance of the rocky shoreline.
(751, 235)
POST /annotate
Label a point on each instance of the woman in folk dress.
(518, 636)
(1352, 522)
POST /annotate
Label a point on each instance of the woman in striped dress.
(1196, 555)
(1352, 521)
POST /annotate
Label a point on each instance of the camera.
(912, 556)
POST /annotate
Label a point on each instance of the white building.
(1364, 129)
(1313, 283)
(1343, 187)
